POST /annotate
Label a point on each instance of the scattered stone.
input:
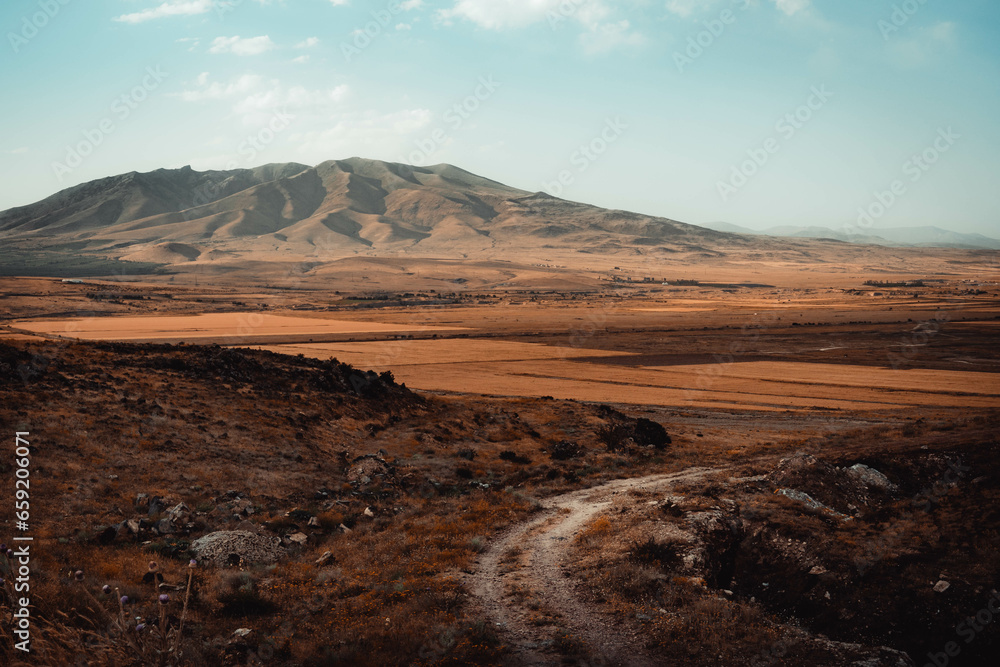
(369, 467)
(818, 570)
(941, 586)
(242, 632)
(242, 506)
(344, 529)
(368, 512)
(313, 522)
(298, 538)
(325, 558)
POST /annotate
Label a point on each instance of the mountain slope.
(336, 209)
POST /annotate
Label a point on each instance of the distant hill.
(336, 209)
(891, 236)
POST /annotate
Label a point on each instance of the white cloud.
(297, 97)
(205, 90)
(407, 5)
(790, 7)
(600, 34)
(605, 37)
(922, 45)
(498, 15)
(361, 133)
(17, 151)
(403, 26)
(308, 43)
(301, 60)
(250, 46)
(168, 8)
(339, 3)
(684, 8)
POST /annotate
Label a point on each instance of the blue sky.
(754, 112)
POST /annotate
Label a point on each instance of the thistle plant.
(153, 643)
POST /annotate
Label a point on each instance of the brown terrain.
(456, 423)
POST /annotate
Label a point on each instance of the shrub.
(648, 433)
(615, 436)
(663, 554)
(514, 457)
(565, 450)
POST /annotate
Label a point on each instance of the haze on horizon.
(818, 104)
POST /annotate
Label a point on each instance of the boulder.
(234, 547)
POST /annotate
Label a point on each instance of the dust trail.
(543, 569)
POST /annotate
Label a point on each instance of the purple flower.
(78, 575)
(164, 598)
(106, 589)
(140, 627)
(192, 563)
(124, 599)
(3, 548)
(152, 566)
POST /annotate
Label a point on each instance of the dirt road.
(522, 582)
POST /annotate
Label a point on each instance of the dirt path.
(522, 581)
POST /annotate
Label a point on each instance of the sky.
(850, 114)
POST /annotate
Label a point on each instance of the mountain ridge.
(337, 208)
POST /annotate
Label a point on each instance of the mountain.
(892, 236)
(729, 228)
(935, 236)
(339, 208)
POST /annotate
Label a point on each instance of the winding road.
(522, 581)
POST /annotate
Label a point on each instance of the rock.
(178, 513)
(242, 632)
(165, 527)
(313, 522)
(344, 529)
(156, 505)
(368, 512)
(812, 503)
(242, 506)
(236, 546)
(325, 558)
(941, 586)
(817, 570)
(298, 538)
(142, 500)
(367, 467)
(870, 477)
